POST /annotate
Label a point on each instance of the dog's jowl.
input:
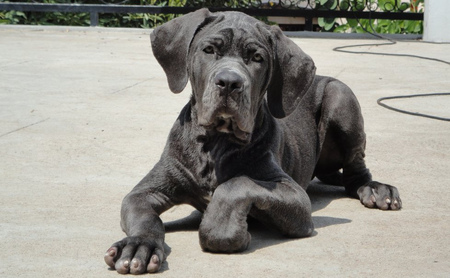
(260, 124)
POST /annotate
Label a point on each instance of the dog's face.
(232, 60)
(229, 65)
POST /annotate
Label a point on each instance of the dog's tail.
(334, 178)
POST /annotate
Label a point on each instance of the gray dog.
(259, 126)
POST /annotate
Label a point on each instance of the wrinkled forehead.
(233, 29)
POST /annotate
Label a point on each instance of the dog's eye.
(209, 49)
(257, 58)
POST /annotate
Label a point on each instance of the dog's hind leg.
(343, 147)
(372, 194)
(333, 178)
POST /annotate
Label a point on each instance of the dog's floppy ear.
(170, 44)
(293, 74)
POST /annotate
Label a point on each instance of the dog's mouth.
(226, 123)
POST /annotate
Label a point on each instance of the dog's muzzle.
(225, 115)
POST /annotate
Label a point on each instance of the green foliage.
(83, 19)
(382, 26)
(151, 20)
(328, 23)
(12, 17)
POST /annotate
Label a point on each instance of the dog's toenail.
(155, 259)
(135, 263)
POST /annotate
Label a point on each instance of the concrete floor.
(84, 114)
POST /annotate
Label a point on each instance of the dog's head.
(232, 60)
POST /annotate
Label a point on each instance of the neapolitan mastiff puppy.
(259, 126)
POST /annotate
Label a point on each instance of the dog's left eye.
(209, 49)
(257, 58)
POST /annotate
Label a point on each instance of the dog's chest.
(201, 155)
(198, 163)
(217, 162)
(206, 174)
(212, 161)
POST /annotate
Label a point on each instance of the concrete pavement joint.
(24, 127)
(131, 86)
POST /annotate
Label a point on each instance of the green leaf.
(327, 23)
(344, 5)
(358, 5)
(341, 28)
(409, 26)
(359, 30)
(321, 21)
(393, 28)
(352, 22)
(332, 4)
(403, 6)
(388, 5)
(329, 26)
(383, 22)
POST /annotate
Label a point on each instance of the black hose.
(379, 101)
(392, 42)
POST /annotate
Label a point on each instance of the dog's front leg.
(143, 248)
(283, 205)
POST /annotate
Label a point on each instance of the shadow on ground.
(321, 196)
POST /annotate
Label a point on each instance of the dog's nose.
(229, 82)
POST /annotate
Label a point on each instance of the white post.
(436, 21)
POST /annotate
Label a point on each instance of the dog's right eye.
(209, 49)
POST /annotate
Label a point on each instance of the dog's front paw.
(379, 195)
(223, 237)
(135, 255)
